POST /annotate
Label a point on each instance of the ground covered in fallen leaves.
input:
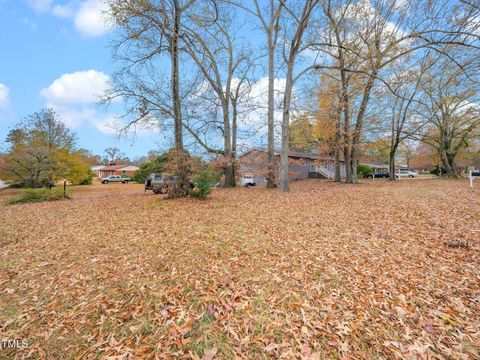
(376, 270)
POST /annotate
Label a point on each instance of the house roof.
(130, 168)
(97, 167)
(293, 154)
(125, 167)
(376, 166)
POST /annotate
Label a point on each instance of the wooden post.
(64, 187)
(471, 178)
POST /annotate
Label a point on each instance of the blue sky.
(55, 53)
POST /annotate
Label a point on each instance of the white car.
(115, 178)
(406, 173)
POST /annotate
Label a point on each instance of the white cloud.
(112, 125)
(90, 18)
(40, 6)
(255, 107)
(32, 25)
(77, 87)
(63, 11)
(73, 96)
(76, 116)
(4, 95)
(73, 117)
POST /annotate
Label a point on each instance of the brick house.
(120, 169)
(301, 165)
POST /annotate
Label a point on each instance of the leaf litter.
(326, 271)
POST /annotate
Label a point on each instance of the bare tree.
(271, 25)
(451, 109)
(293, 49)
(269, 19)
(371, 38)
(224, 62)
(402, 106)
(151, 31)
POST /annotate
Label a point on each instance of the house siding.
(255, 162)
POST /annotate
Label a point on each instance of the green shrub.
(204, 180)
(148, 167)
(38, 195)
(436, 171)
(88, 180)
(125, 176)
(364, 170)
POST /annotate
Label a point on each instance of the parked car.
(381, 175)
(161, 183)
(406, 173)
(115, 178)
(248, 180)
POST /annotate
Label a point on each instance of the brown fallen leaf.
(210, 354)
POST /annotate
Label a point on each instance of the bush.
(204, 180)
(148, 167)
(165, 163)
(436, 171)
(364, 170)
(88, 180)
(38, 195)
(125, 176)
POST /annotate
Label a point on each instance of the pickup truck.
(115, 178)
(161, 183)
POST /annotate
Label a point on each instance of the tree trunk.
(451, 163)
(227, 145)
(338, 174)
(346, 151)
(284, 181)
(271, 123)
(234, 140)
(181, 190)
(394, 137)
(391, 165)
(358, 126)
(346, 131)
(449, 170)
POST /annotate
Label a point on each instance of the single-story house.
(108, 170)
(301, 165)
(96, 169)
(381, 168)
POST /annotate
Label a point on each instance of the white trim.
(129, 168)
(472, 177)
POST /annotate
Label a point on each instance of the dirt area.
(375, 270)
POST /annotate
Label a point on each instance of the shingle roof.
(114, 167)
(295, 154)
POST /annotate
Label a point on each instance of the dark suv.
(380, 175)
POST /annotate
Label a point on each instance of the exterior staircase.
(323, 171)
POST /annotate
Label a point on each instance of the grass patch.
(38, 195)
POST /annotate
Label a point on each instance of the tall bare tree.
(151, 31)
(451, 109)
(376, 36)
(300, 20)
(270, 22)
(225, 61)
